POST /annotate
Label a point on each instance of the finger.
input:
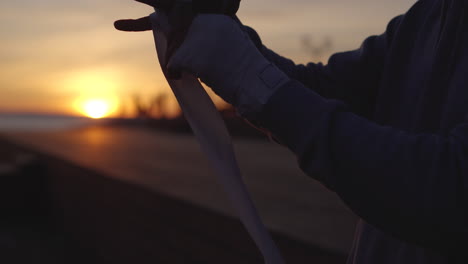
(132, 25)
(177, 64)
(158, 4)
(160, 22)
(152, 3)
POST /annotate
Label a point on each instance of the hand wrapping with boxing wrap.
(216, 49)
(222, 55)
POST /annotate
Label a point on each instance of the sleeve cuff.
(301, 119)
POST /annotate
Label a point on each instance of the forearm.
(408, 185)
(352, 77)
(302, 73)
(288, 66)
(306, 74)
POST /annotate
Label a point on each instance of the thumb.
(179, 62)
(160, 21)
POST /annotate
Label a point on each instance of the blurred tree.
(316, 50)
(141, 109)
(157, 107)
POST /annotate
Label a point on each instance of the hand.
(228, 7)
(136, 25)
(222, 55)
(173, 18)
(144, 23)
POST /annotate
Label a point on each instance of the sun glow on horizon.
(96, 108)
(96, 91)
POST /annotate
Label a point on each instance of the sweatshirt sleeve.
(412, 186)
(359, 69)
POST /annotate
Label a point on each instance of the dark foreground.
(56, 212)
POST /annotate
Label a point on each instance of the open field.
(172, 165)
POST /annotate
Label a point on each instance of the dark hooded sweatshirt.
(386, 128)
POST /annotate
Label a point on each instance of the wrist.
(258, 86)
(253, 35)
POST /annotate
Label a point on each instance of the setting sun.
(96, 108)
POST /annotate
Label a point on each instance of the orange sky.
(55, 55)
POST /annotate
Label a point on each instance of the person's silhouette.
(384, 126)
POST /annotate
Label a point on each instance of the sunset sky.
(58, 56)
